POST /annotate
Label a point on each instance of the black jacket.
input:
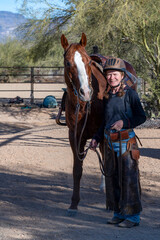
(127, 108)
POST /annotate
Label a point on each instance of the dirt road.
(36, 183)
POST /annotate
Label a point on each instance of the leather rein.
(81, 155)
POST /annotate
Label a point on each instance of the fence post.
(32, 85)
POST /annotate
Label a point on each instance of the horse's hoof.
(102, 188)
(71, 212)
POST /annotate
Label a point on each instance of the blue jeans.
(133, 218)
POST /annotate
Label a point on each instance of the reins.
(81, 155)
(77, 146)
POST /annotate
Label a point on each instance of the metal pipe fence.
(35, 81)
(36, 76)
(32, 75)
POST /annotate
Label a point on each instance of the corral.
(36, 181)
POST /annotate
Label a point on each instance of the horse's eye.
(68, 64)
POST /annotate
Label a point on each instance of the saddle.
(99, 59)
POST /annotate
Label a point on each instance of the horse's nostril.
(81, 91)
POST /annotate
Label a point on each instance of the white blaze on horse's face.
(85, 91)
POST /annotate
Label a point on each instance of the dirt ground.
(36, 183)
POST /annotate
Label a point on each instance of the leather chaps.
(123, 191)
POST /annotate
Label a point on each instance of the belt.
(116, 136)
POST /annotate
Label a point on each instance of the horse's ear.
(64, 41)
(83, 41)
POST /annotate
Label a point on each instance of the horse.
(83, 105)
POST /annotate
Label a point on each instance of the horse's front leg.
(77, 174)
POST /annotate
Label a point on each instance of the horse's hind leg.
(102, 184)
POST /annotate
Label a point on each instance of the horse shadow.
(12, 133)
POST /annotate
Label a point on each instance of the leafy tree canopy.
(123, 28)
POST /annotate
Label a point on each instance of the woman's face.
(114, 77)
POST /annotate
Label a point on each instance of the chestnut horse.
(84, 104)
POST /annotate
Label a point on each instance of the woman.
(122, 112)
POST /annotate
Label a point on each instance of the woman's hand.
(93, 144)
(117, 125)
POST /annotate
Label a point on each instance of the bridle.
(76, 92)
(80, 155)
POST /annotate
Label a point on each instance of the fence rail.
(15, 72)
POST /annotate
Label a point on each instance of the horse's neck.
(72, 110)
(73, 100)
(101, 81)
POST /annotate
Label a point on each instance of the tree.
(139, 23)
(43, 29)
(13, 53)
(123, 28)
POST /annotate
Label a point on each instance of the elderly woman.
(122, 112)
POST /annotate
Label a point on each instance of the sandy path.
(36, 183)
